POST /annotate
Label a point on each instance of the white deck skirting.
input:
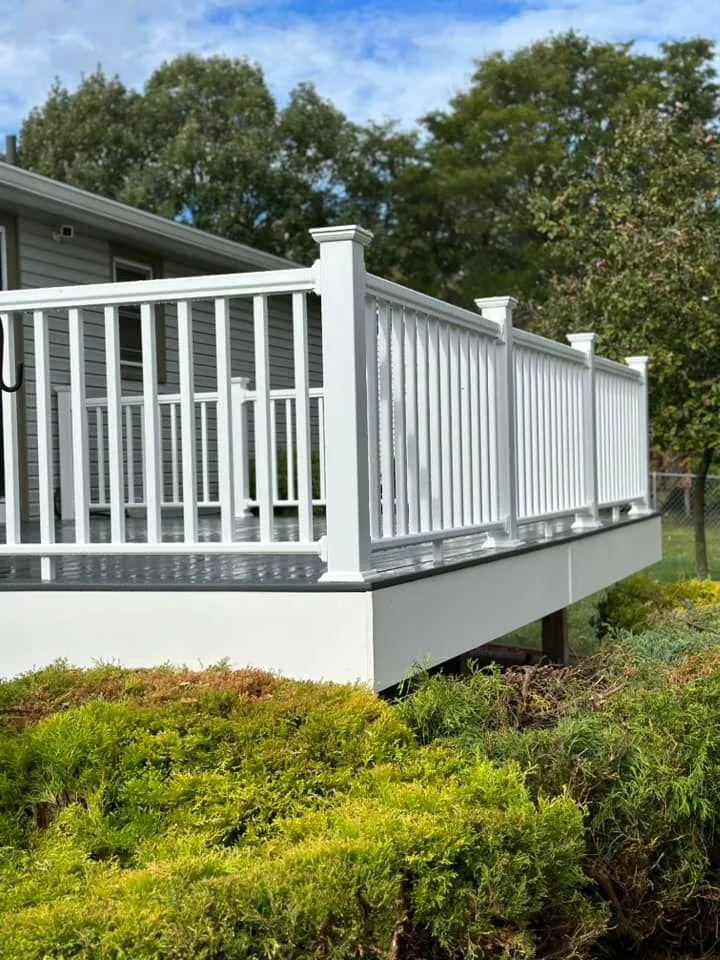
(323, 632)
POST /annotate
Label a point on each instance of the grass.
(678, 561)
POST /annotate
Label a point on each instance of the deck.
(415, 482)
(246, 572)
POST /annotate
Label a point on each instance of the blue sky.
(374, 58)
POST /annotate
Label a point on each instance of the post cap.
(332, 234)
(488, 303)
(638, 363)
(581, 338)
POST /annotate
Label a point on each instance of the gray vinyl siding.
(87, 259)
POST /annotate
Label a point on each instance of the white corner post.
(341, 285)
(241, 445)
(589, 517)
(643, 505)
(500, 311)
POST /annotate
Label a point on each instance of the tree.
(544, 107)
(89, 138)
(636, 242)
(205, 142)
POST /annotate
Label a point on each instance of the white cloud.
(373, 66)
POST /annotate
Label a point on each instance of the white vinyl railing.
(548, 402)
(283, 460)
(432, 429)
(433, 422)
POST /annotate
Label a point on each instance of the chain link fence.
(673, 495)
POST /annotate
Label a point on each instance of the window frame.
(151, 265)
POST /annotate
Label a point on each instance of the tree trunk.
(701, 560)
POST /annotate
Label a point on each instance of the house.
(217, 453)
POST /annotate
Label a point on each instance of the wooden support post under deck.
(554, 636)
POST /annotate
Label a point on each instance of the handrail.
(167, 290)
(430, 306)
(533, 341)
(617, 369)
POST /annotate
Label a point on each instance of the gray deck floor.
(233, 571)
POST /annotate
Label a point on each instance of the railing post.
(643, 505)
(341, 284)
(65, 454)
(500, 311)
(241, 445)
(589, 517)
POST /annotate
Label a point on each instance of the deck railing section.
(548, 428)
(283, 460)
(433, 423)
(432, 433)
(118, 421)
(621, 411)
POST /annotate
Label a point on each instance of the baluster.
(385, 422)
(187, 421)
(373, 388)
(11, 433)
(465, 430)
(204, 452)
(152, 453)
(399, 422)
(81, 473)
(46, 486)
(263, 420)
(423, 421)
(223, 366)
(115, 425)
(435, 439)
(411, 420)
(100, 453)
(588, 518)
(302, 418)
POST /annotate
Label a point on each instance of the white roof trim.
(52, 192)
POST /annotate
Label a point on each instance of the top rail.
(617, 369)
(534, 341)
(431, 306)
(171, 289)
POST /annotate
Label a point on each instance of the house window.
(129, 267)
(125, 271)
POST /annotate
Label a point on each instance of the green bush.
(636, 744)
(640, 603)
(536, 813)
(282, 471)
(162, 814)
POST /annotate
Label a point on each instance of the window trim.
(140, 260)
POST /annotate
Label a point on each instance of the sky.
(395, 59)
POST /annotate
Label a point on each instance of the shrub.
(636, 744)
(640, 603)
(154, 814)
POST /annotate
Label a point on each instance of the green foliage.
(448, 202)
(164, 814)
(636, 744)
(637, 238)
(530, 119)
(439, 708)
(206, 142)
(161, 814)
(639, 603)
(282, 473)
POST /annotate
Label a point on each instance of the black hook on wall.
(6, 387)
